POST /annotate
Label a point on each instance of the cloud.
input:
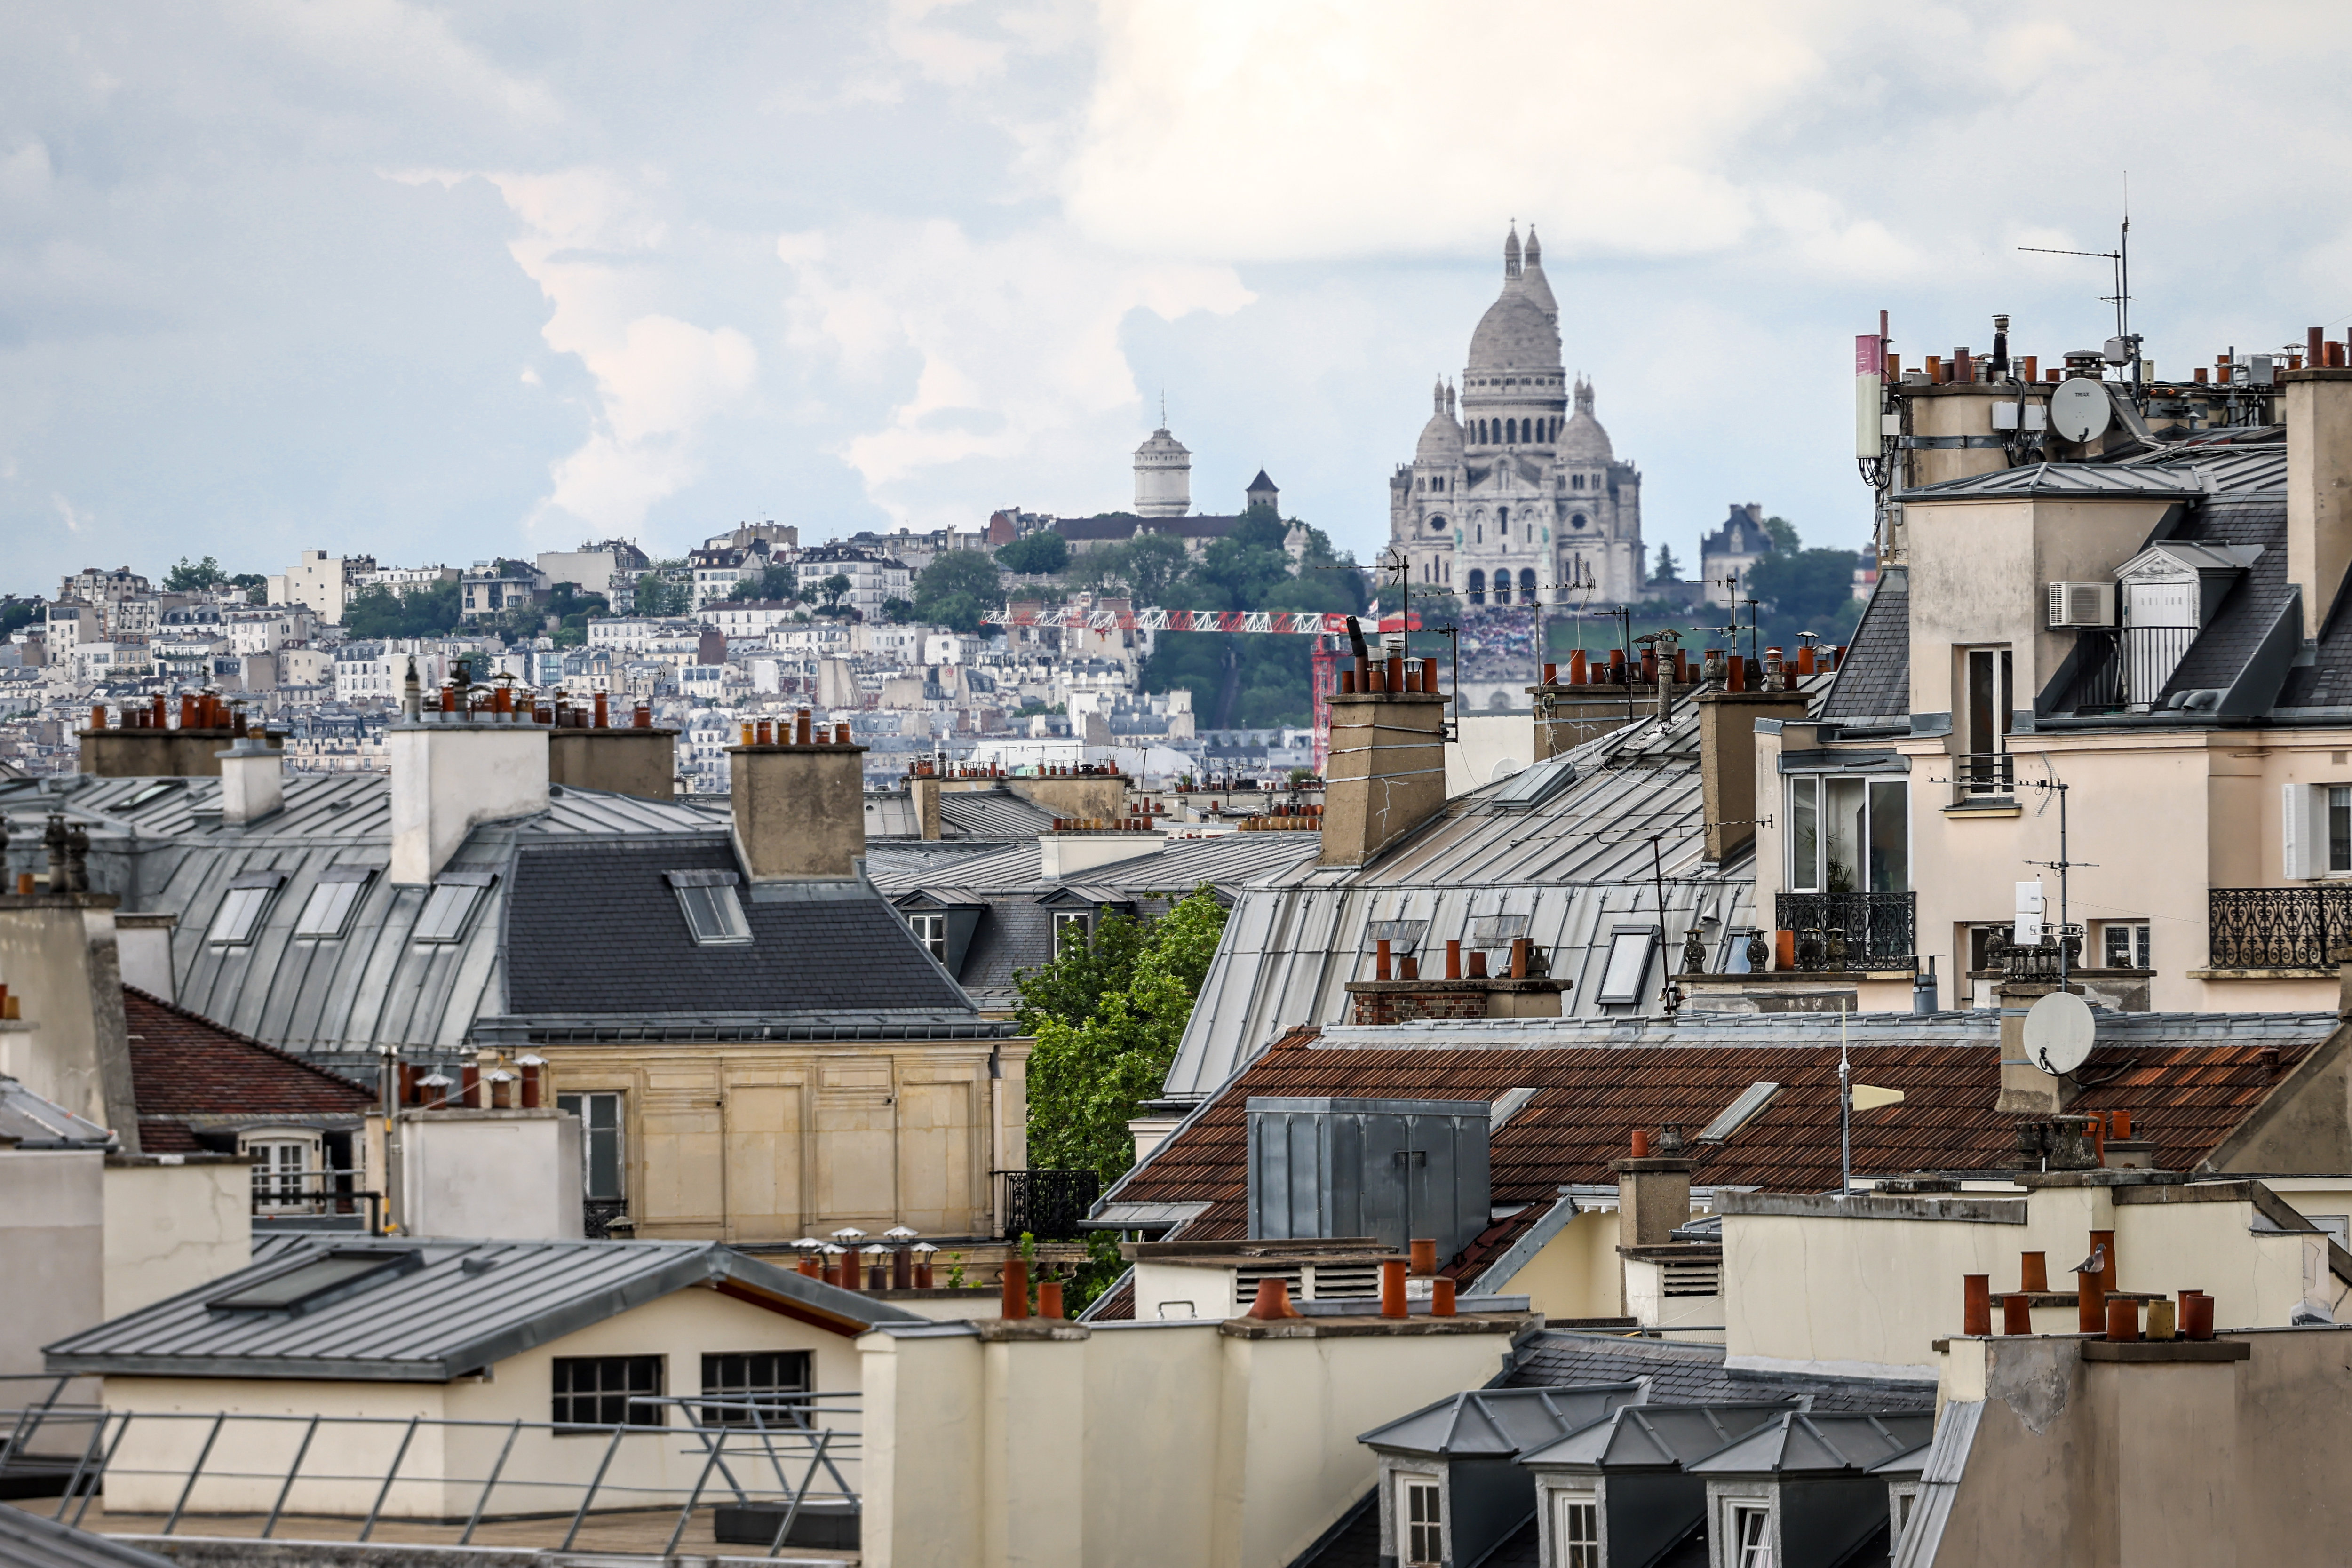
(992, 356)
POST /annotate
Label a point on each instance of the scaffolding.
(780, 1454)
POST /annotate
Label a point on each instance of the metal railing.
(1839, 932)
(1984, 775)
(325, 1198)
(2126, 667)
(1050, 1206)
(2278, 928)
(791, 1436)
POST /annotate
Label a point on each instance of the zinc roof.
(1800, 1442)
(1498, 1423)
(467, 1306)
(1686, 1373)
(28, 1540)
(1654, 1436)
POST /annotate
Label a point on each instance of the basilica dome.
(1515, 334)
(1440, 438)
(1582, 440)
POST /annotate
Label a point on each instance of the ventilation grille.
(1692, 1278)
(1347, 1281)
(2082, 604)
(1246, 1280)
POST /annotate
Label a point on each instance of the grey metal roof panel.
(30, 1121)
(1656, 1437)
(440, 1319)
(2246, 612)
(28, 1540)
(992, 815)
(1874, 682)
(1498, 1423)
(2068, 481)
(595, 928)
(1681, 1373)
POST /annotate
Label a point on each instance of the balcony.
(2125, 667)
(2278, 928)
(1849, 932)
(1048, 1205)
(1984, 778)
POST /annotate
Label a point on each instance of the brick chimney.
(800, 807)
(1387, 770)
(2318, 411)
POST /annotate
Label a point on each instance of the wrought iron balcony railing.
(1851, 930)
(2127, 666)
(1048, 1204)
(2278, 928)
(1984, 775)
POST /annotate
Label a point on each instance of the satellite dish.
(2059, 1033)
(2079, 409)
(1504, 769)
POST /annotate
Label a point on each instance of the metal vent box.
(1391, 1169)
(2082, 604)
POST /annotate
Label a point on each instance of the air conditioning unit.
(2082, 605)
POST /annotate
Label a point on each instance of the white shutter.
(2294, 823)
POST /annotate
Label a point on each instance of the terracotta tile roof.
(183, 1064)
(2185, 1097)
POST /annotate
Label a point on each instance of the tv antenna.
(2120, 259)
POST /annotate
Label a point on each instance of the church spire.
(1535, 247)
(1511, 252)
(1437, 397)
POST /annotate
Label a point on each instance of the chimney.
(1387, 769)
(1652, 1198)
(1726, 762)
(253, 781)
(924, 791)
(2318, 417)
(58, 958)
(800, 808)
(452, 769)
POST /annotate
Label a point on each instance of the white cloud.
(996, 357)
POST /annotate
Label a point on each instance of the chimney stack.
(2317, 411)
(1387, 769)
(800, 808)
(454, 768)
(1726, 762)
(1653, 1199)
(253, 781)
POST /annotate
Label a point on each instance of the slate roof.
(1684, 1374)
(184, 1065)
(2187, 1079)
(1874, 679)
(596, 929)
(2252, 603)
(464, 1306)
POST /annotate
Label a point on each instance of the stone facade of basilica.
(1513, 497)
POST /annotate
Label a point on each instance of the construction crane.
(1324, 627)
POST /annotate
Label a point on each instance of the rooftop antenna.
(2120, 256)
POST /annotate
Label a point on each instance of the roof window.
(153, 792)
(1734, 1115)
(1628, 965)
(327, 913)
(454, 896)
(315, 1281)
(714, 915)
(241, 908)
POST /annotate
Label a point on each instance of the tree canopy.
(661, 594)
(1035, 554)
(191, 577)
(421, 610)
(778, 583)
(957, 589)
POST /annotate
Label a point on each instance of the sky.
(434, 282)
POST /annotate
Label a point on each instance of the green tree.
(423, 610)
(957, 589)
(16, 613)
(1036, 554)
(1668, 569)
(899, 611)
(777, 584)
(571, 608)
(1805, 591)
(186, 578)
(664, 591)
(1783, 535)
(836, 588)
(1108, 1018)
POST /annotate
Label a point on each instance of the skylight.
(310, 1281)
(241, 908)
(452, 901)
(1629, 962)
(1530, 787)
(327, 913)
(714, 915)
(1734, 1115)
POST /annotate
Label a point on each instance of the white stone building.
(1517, 497)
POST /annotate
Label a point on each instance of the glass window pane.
(1629, 963)
(2339, 829)
(1842, 834)
(329, 909)
(1804, 837)
(239, 913)
(444, 912)
(1890, 836)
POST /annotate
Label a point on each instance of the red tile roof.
(2185, 1097)
(183, 1064)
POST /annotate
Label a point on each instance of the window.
(241, 908)
(1526, 586)
(1750, 1101)
(315, 1279)
(1069, 931)
(1751, 1537)
(1848, 833)
(600, 1142)
(1628, 965)
(281, 1169)
(1510, 430)
(1902, 1521)
(2339, 827)
(1417, 1513)
(765, 1378)
(2126, 945)
(1478, 588)
(327, 913)
(1576, 1531)
(452, 900)
(598, 1391)
(931, 930)
(1984, 722)
(714, 916)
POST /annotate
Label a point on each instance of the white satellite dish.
(2059, 1033)
(1505, 768)
(2080, 410)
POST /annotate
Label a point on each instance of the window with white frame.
(1751, 1536)
(1421, 1526)
(1576, 1529)
(2317, 820)
(2123, 944)
(327, 913)
(450, 904)
(931, 930)
(282, 1170)
(600, 1144)
(1848, 833)
(1901, 1519)
(714, 915)
(241, 909)
(1628, 964)
(1069, 931)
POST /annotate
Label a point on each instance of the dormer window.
(242, 907)
(451, 904)
(714, 915)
